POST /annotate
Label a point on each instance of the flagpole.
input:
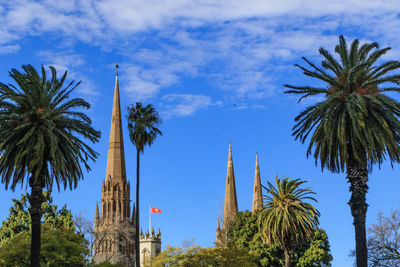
(150, 219)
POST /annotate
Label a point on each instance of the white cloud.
(68, 61)
(243, 50)
(8, 49)
(181, 105)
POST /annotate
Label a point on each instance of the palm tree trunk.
(36, 200)
(137, 208)
(358, 177)
(287, 257)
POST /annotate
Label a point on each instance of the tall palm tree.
(286, 217)
(142, 126)
(40, 130)
(356, 125)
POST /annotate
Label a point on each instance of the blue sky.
(215, 71)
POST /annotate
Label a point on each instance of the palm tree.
(286, 218)
(39, 138)
(142, 126)
(356, 125)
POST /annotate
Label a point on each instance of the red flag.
(155, 210)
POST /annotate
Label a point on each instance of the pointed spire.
(230, 204)
(96, 216)
(133, 214)
(152, 232)
(218, 234)
(257, 191)
(158, 234)
(116, 156)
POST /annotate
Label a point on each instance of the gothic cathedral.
(114, 226)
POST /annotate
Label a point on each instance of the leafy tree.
(219, 257)
(173, 256)
(243, 233)
(40, 131)
(19, 219)
(317, 252)
(61, 245)
(356, 125)
(142, 126)
(211, 257)
(286, 218)
(384, 241)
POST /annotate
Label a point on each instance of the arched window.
(145, 253)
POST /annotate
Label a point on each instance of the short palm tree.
(356, 125)
(142, 126)
(40, 138)
(286, 217)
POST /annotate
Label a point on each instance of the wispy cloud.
(246, 49)
(71, 62)
(181, 105)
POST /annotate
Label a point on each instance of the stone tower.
(257, 191)
(230, 203)
(114, 228)
(150, 246)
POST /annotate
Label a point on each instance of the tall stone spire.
(257, 191)
(116, 156)
(96, 216)
(114, 223)
(230, 204)
(218, 240)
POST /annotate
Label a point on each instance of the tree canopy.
(61, 244)
(243, 233)
(208, 257)
(19, 219)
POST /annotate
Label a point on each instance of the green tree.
(208, 257)
(60, 247)
(173, 256)
(19, 219)
(356, 125)
(219, 257)
(142, 127)
(61, 244)
(286, 218)
(40, 131)
(244, 234)
(317, 252)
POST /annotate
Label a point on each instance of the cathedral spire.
(230, 204)
(218, 234)
(257, 191)
(116, 156)
(96, 216)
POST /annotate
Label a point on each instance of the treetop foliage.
(356, 121)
